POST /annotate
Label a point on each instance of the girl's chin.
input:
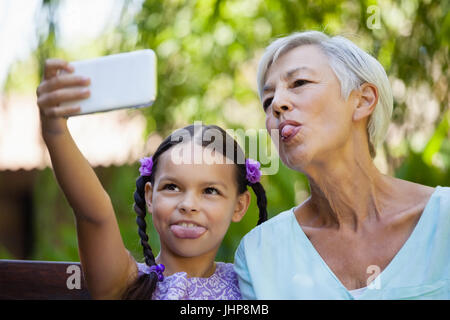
(188, 248)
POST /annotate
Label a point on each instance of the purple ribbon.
(146, 166)
(158, 269)
(253, 172)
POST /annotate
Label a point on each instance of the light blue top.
(277, 261)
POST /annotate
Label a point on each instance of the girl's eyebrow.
(216, 183)
(170, 178)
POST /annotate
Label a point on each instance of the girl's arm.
(107, 265)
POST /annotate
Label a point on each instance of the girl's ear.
(367, 99)
(148, 196)
(241, 207)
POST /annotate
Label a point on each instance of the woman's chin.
(296, 158)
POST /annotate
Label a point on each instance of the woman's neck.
(200, 266)
(347, 191)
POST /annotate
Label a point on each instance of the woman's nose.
(280, 105)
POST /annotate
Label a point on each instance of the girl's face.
(193, 204)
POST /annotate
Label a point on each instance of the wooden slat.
(38, 280)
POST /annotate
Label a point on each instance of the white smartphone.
(124, 80)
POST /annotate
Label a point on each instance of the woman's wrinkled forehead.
(304, 60)
(307, 57)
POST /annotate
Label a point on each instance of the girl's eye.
(267, 103)
(211, 190)
(171, 187)
(299, 83)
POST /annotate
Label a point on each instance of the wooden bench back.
(41, 280)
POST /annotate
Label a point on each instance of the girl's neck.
(198, 267)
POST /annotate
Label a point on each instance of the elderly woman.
(361, 234)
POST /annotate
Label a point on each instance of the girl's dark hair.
(206, 135)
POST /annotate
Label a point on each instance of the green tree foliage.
(208, 52)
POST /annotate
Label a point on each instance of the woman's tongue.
(287, 130)
(185, 231)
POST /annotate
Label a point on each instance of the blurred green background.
(207, 56)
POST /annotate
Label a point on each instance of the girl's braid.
(140, 209)
(261, 201)
(145, 285)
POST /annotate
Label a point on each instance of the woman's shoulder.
(408, 189)
(440, 200)
(442, 192)
(424, 196)
(275, 225)
(418, 204)
(409, 198)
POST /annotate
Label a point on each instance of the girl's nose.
(188, 204)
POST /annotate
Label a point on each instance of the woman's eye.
(171, 187)
(267, 103)
(299, 83)
(211, 191)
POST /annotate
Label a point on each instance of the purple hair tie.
(158, 269)
(253, 172)
(146, 166)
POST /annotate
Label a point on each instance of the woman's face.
(302, 99)
(192, 205)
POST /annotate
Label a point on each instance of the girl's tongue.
(184, 231)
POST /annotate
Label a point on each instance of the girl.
(192, 204)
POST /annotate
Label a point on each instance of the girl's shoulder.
(222, 285)
(224, 269)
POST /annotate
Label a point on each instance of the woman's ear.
(366, 101)
(241, 207)
(148, 196)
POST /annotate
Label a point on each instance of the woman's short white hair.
(352, 66)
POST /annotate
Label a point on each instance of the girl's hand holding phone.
(55, 89)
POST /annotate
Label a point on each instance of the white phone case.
(124, 80)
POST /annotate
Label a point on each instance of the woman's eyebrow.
(289, 74)
(267, 88)
(292, 72)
